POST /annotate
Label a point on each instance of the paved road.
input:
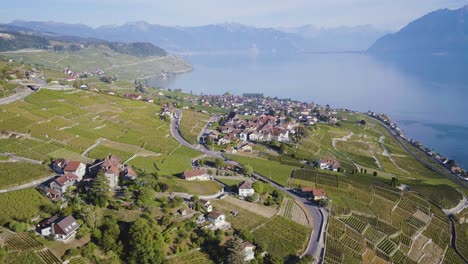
(15, 97)
(27, 185)
(319, 215)
(457, 209)
(436, 169)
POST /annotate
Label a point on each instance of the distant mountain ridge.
(16, 37)
(229, 37)
(441, 31)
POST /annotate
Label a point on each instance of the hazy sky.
(389, 14)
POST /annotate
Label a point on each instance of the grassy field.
(191, 125)
(193, 187)
(98, 57)
(22, 205)
(271, 169)
(245, 220)
(17, 173)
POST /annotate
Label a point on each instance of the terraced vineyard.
(65, 123)
(195, 257)
(387, 246)
(282, 237)
(23, 204)
(355, 223)
(22, 242)
(399, 257)
(438, 231)
(48, 257)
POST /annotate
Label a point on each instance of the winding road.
(319, 215)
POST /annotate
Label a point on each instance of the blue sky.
(388, 14)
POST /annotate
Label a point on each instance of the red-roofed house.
(315, 194)
(129, 173)
(200, 175)
(61, 183)
(75, 167)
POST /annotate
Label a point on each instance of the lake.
(427, 98)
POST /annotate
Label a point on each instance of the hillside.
(442, 31)
(10, 40)
(112, 62)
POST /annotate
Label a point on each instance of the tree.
(218, 163)
(100, 191)
(145, 196)
(234, 251)
(258, 187)
(110, 232)
(248, 170)
(201, 162)
(145, 243)
(283, 148)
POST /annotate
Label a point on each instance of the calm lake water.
(426, 97)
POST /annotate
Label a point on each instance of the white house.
(248, 251)
(283, 136)
(112, 175)
(244, 136)
(61, 228)
(75, 167)
(207, 205)
(329, 164)
(245, 189)
(217, 219)
(199, 175)
(253, 136)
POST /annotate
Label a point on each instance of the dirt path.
(386, 153)
(92, 146)
(345, 138)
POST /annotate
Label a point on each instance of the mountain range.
(227, 37)
(440, 32)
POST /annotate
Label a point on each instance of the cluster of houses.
(264, 128)
(72, 76)
(456, 170)
(71, 172)
(257, 105)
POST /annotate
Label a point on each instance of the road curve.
(319, 215)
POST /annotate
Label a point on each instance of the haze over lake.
(425, 100)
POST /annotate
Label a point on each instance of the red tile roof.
(113, 170)
(193, 173)
(314, 191)
(65, 178)
(72, 165)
